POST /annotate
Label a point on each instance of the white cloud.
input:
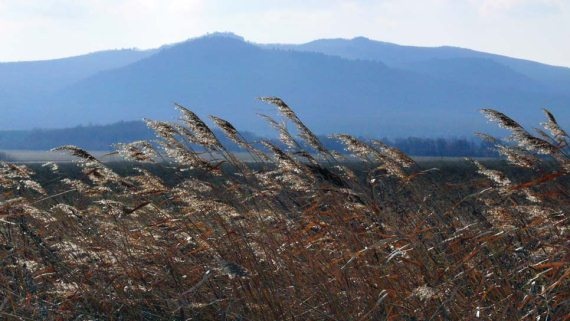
(491, 7)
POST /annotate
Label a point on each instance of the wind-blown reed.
(194, 232)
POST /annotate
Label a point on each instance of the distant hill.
(358, 86)
(24, 86)
(50, 75)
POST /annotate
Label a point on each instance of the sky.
(44, 29)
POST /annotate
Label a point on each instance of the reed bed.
(299, 234)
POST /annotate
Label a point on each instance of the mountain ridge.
(401, 56)
(221, 74)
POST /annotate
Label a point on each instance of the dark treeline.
(92, 137)
(451, 147)
(102, 138)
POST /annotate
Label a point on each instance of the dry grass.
(299, 235)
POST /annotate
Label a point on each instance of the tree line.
(103, 137)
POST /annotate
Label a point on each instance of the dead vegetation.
(299, 235)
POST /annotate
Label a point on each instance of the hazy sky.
(40, 29)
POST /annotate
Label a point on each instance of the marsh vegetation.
(303, 233)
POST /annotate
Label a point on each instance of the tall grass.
(294, 235)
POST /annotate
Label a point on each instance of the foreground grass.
(290, 237)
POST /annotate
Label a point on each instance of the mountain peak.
(218, 37)
(225, 34)
(214, 36)
(360, 38)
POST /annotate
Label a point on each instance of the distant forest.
(97, 137)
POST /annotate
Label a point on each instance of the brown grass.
(299, 235)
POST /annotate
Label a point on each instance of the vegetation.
(299, 234)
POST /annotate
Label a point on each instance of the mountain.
(421, 95)
(50, 75)
(21, 82)
(546, 77)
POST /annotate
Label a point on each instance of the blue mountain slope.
(223, 75)
(481, 72)
(27, 78)
(553, 78)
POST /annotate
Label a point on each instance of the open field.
(34, 156)
(206, 235)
